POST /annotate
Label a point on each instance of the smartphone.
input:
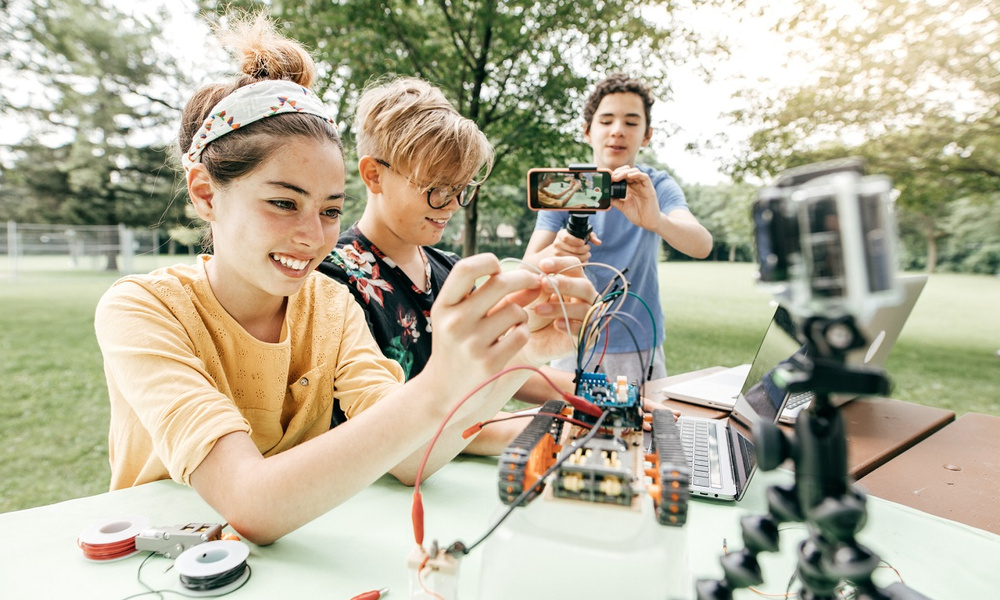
(569, 189)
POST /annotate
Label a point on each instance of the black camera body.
(577, 188)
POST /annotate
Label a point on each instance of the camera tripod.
(821, 496)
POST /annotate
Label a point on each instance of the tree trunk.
(469, 238)
(932, 248)
(932, 252)
(112, 260)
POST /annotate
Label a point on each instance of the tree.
(725, 211)
(88, 78)
(973, 242)
(518, 68)
(33, 190)
(911, 85)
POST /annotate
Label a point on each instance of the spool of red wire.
(112, 539)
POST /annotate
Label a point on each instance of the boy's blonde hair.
(409, 124)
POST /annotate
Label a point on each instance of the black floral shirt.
(398, 313)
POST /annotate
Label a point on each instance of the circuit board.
(608, 466)
(620, 399)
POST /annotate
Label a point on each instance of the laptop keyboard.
(701, 445)
(797, 400)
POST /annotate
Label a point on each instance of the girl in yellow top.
(223, 375)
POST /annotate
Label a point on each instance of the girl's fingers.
(463, 276)
(460, 288)
(498, 324)
(570, 287)
(511, 343)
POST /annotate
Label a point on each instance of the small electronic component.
(601, 471)
(436, 570)
(620, 398)
(171, 541)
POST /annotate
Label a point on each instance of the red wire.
(109, 551)
(417, 511)
(475, 428)
(420, 579)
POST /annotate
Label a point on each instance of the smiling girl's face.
(272, 227)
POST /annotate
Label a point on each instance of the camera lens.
(619, 188)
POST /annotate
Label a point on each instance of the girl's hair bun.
(263, 53)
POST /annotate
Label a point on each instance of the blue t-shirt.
(625, 245)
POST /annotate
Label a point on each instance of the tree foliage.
(973, 241)
(86, 77)
(725, 211)
(518, 68)
(911, 85)
(887, 66)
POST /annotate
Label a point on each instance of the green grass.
(945, 356)
(54, 408)
(53, 399)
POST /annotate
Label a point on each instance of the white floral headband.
(252, 103)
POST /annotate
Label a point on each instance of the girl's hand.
(479, 329)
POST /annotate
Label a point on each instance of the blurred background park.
(91, 91)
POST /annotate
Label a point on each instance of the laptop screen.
(760, 398)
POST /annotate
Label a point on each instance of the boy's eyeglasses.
(440, 197)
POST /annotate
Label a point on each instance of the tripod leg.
(816, 583)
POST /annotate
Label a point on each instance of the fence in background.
(27, 248)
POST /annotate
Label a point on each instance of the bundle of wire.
(607, 305)
(608, 308)
(417, 510)
(112, 551)
(111, 539)
(595, 319)
(209, 570)
(212, 566)
(214, 582)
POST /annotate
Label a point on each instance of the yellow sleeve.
(166, 411)
(363, 373)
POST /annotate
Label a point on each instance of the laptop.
(721, 451)
(720, 390)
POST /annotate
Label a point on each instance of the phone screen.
(565, 189)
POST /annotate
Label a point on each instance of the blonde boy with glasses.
(421, 162)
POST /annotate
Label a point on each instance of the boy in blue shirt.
(617, 125)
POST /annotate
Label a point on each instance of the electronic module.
(609, 466)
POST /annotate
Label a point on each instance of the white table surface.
(363, 544)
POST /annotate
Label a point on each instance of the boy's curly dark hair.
(617, 83)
